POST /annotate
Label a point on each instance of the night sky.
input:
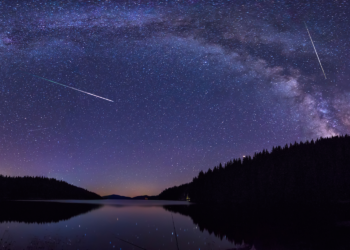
(193, 83)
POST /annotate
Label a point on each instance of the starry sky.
(193, 83)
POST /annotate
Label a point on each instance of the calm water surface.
(105, 224)
(118, 224)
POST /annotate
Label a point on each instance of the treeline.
(41, 188)
(311, 171)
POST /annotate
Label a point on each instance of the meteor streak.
(73, 88)
(315, 51)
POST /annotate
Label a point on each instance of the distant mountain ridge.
(120, 197)
(41, 188)
(145, 197)
(116, 197)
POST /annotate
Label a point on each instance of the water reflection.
(42, 212)
(281, 228)
(169, 226)
(115, 225)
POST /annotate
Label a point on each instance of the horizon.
(134, 97)
(223, 163)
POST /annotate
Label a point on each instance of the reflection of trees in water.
(51, 243)
(6, 241)
(283, 228)
(47, 242)
(42, 212)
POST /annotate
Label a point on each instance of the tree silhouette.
(310, 172)
(40, 188)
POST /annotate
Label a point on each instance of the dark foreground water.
(111, 224)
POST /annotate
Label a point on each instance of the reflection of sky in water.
(147, 226)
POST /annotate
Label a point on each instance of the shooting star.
(315, 51)
(74, 88)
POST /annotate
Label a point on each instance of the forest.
(306, 172)
(41, 188)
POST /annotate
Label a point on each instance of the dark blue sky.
(194, 83)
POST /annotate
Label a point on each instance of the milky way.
(194, 83)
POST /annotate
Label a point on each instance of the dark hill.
(41, 188)
(309, 172)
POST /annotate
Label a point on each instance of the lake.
(129, 224)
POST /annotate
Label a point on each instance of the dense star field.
(193, 83)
